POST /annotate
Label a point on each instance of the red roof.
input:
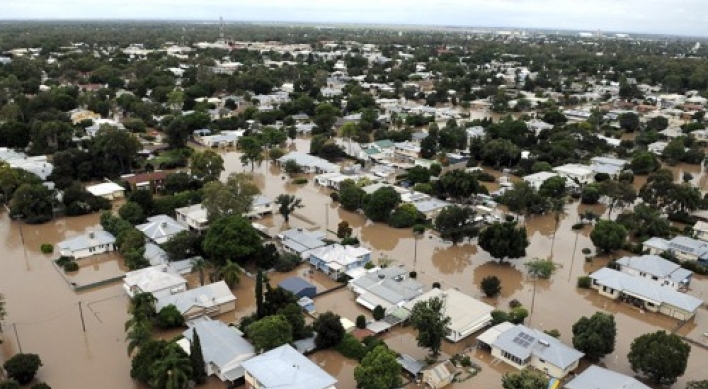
(146, 177)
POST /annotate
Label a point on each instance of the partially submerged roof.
(154, 278)
(522, 342)
(295, 284)
(656, 266)
(221, 344)
(84, 241)
(104, 189)
(160, 228)
(285, 368)
(202, 297)
(596, 377)
(459, 307)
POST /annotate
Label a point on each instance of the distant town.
(281, 206)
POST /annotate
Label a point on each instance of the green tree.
(595, 335)
(418, 174)
(148, 353)
(455, 223)
(351, 197)
(429, 319)
(459, 185)
(22, 367)
(252, 151)
(143, 305)
(379, 369)
(379, 312)
(139, 331)
(325, 116)
(181, 245)
(231, 237)
(644, 162)
(287, 203)
(349, 130)
(235, 197)
(9, 384)
(200, 265)
(292, 168)
(230, 273)
(703, 384)
(541, 268)
(504, 240)
(553, 187)
(207, 165)
(169, 317)
(33, 203)
(270, 332)
(405, 216)
(329, 329)
(196, 357)
(660, 356)
(173, 370)
(674, 151)
(491, 286)
(294, 314)
(608, 236)
(132, 212)
(382, 202)
(259, 294)
(620, 194)
(525, 379)
(629, 121)
(112, 144)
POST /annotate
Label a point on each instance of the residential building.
(107, 190)
(222, 139)
(537, 179)
(700, 230)
(223, 347)
(193, 217)
(299, 287)
(645, 294)
(37, 165)
(156, 255)
(406, 151)
(608, 165)
(439, 375)
(336, 260)
(596, 377)
(301, 242)
(310, 163)
(681, 247)
(475, 132)
(86, 245)
(260, 206)
(92, 130)
(523, 347)
(576, 173)
(390, 287)
(160, 228)
(160, 281)
(467, 315)
(378, 151)
(657, 269)
(657, 147)
(208, 300)
(537, 126)
(285, 368)
(153, 181)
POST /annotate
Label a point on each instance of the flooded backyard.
(45, 316)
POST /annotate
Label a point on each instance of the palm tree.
(348, 131)
(288, 203)
(138, 334)
(200, 265)
(173, 371)
(143, 305)
(231, 273)
(557, 206)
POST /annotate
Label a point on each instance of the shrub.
(40, 385)
(170, 317)
(9, 384)
(518, 315)
(379, 312)
(287, 262)
(361, 322)
(577, 226)
(586, 251)
(46, 248)
(514, 303)
(436, 285)
(419, 228)
(63, 260)
(499, 316)
(351, 348)
(491, 286)
(413, 274)
(584, 282)
(300, 181)
(554, 333)
(71, 267)
(22, 367)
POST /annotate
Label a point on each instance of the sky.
(680, 17)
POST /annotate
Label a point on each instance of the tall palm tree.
(173, 371)
(143, 304)
(138, 334)
(231, 273)
(200, 265)
(288, 203)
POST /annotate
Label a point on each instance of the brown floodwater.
(43, 310)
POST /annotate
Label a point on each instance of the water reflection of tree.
(511, 278)
(382, 237)
(454, 258)
(543, 224)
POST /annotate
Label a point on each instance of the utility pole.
(81, 313)
(19, 345)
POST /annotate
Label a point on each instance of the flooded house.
(576, 173)
(223, 347)
(299, 287)
(389, 287)
(681, 247)
(644, 293)
(336, 260)
(700, 230)
(299, 241)
(160, 228)
(285, 368)
(439, 375)
(537, 179)
(467, 314)
(88, 244)
(523, 347)
(653, 267)
(107, 190)
(153, 181)
(596, 377)
(193, 217)
(260, 206)
(160, 281)
(208, 300)
(611, 166)
(310, 163)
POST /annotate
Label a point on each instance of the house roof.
(85, 241)
(656, 266)
(155, 254)
(573, 168)
(540, 176)
(160, 228)
(295, 284)
(342, 255)
(206, 296)
(154, 278)
(595, 377)
(389, 285)
(657, 243)
(384, 144)
(221, 344)
(439, 373)
(300, 240)
(490, 336)
(196, 212)
(411, 365)
(522, 342)
(285, 368)
(609, 161)
(309, 161)
(104, 188)
(700, 226)
(689, 245)
(462, 309)
(645, 289)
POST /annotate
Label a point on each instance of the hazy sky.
(686, 17)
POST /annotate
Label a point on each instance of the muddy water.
(554, 304)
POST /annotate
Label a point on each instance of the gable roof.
(85, 241)
(300, 240)
(295, 285)
(459, 307)
(154, 278)
(285, 368)
(596, 377)
(221, 344)
(206, 296)
(656, 266)
(645, 289)
(522, 342)
(160, 228)
(388, 284)
(336, 253)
